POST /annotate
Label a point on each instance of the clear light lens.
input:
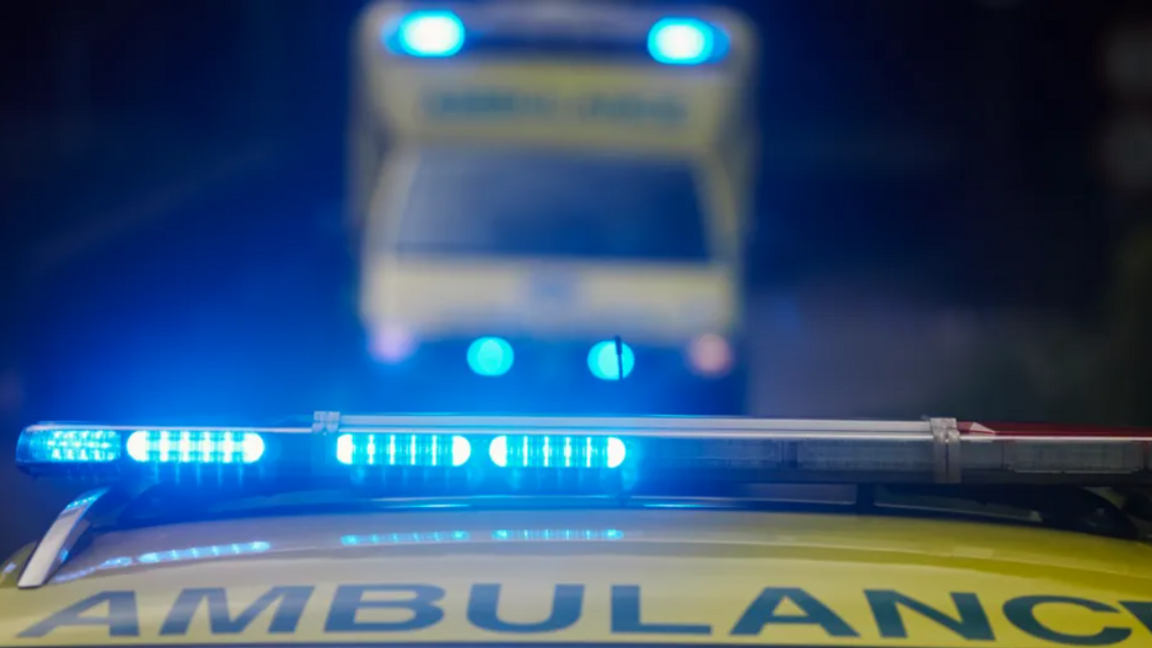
(421, 450)
(681, 41)
(490, 356)
(195, 447)
(562, 452)
(604, 363)
(70, 446)
(430, 34)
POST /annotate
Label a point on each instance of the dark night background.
(937, 233)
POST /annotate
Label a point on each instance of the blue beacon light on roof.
(430, 34)
(682, 41)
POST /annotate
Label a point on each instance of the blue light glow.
(174, 555)
(563, 452)
(490, 356)
(84, 500)
(505, 535)
(424, 537)
(431, 34)
(681, 41)
(70, 446)
(423, 450)
(195, 447)
(199, 553)
(605, 365)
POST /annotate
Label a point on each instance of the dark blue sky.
(174, 174)
(890, 125)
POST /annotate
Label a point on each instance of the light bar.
(466, 455)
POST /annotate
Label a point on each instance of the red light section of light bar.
(1049, 430)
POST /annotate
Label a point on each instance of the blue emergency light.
(125, 452)
(428, 450)
(64, 445)
(555, 451)
(428, 34)
(469, 456)
(194, 446)
(684, 41)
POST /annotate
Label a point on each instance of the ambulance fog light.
(490, 356)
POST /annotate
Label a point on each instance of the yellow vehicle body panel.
(653, 303)
(646, 576)
(615, 108)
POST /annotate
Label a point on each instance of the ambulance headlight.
(684, 41)
(490, 356)
(428, 34)
(605, 363)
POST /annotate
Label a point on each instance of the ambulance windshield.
(527, 202)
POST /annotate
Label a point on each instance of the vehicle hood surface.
(653, 576)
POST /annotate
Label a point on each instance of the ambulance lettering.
(289, 602)
(488, 103)
(499, 103)
(418, 602)
(401, 608)
(1022, 613)
(972, 622)
(567, 604)
(626, 616)
(634, 108)
(763, 611)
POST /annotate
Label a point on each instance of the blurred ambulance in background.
(532, 180)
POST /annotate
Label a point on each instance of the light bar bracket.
(56, 545)
(326, 422)
(946, 449)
